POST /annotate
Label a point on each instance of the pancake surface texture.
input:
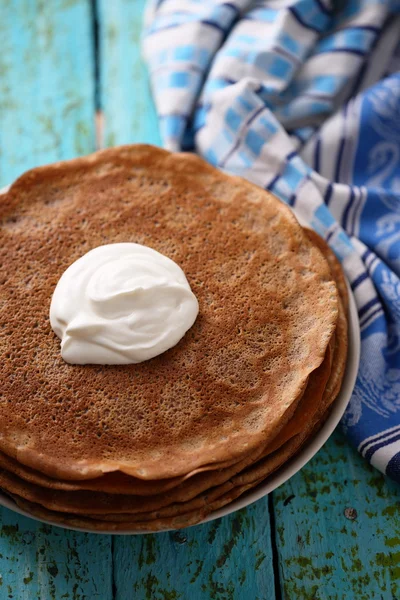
(268, 309)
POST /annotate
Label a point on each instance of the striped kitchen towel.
(302, 97)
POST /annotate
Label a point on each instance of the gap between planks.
(274, 547)
(99, 115)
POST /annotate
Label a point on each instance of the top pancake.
(268, 308)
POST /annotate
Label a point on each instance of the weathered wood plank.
(38, 562)
(47, 114)
(126, 100)
(228, 559)
(46, 83)
(328, 552)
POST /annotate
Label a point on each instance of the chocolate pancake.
(268, 308)
(189, 513)
(214, 499)
(183, 489)
(180, 489)
(260, 470)
(186, 493)
(175, 521)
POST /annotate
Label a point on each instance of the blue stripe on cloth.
(267, 15)
(234, 8)
(200, 118)
(359, 79)
(272, 183)
(173, 125)
(254, 141)
(292, 174)
(370, 317)
(279, 67)
(367, 28)
(179, 79)
(165, 28)
(328, 194)
(359, 280)
(306, 15)
(347, 39)
(357, 205)
(285, 54)
(239, 140)
(214, 25)
(330, 235)
(367, 306)
(324, 216)
(186, 52)
(179, 22)
(366, 254)
(339, 159)
(301, 22)
(290, 45)
(341, 146)
(211, 156)
(195, 58)
(393, 467)
(303, 133)
(317, 154)
(324, 9)
(371, 451)
(347, 209)
(346, 51)
(377, 438)
(233, 120)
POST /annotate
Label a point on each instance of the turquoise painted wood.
(338, 529)
(47, 114)
(126, 100)
(38, 562)
(46, 83)
(227, 559)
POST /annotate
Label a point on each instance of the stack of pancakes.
(163, 443)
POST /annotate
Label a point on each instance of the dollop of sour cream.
(121, 304)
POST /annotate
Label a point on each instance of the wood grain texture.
(46, 83)
(38, 562)
(227, 559)
(126, 100)
(338, 529)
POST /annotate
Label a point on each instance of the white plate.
(289, 468)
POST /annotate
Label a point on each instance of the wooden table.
(331, 532)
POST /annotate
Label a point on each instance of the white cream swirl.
(121, 304)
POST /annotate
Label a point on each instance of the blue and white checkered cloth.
(302, 98)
